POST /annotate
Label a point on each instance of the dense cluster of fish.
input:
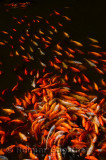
(62, 114)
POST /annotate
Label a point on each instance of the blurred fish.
(93, 40)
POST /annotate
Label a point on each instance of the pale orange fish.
(59, 154)
(59, 53)
(64, 65)
(66, 34)
(4, 32)
(95, 46)
(23, 136)
(77, 43)
(22, 48)
(2, 43)
(36, 37)
(96, 86)
(69, 54)
(17, 121)
(93, 40)
(33, 156)
(31, 49)
(17, 53)
(59, 47)
(40, 31)
(35, 43)
(67, 18)
(50, 32)
(90, 63)
(96, 54)
(39, 17)
(8, 111)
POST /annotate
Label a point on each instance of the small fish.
(41, 52)
(95, 54)
(59, 155)
(74, 69)
(93, 40)
(50, 133)
(35, 43)
(77, 43)
(74, 62)
(31, 49)
(80, 98)
(17, 53)
(40, 31)
(23, 38)
(61, 25)
(95, 46)
(91, 158)
(85, 78)
(90, 63)
(57, 52)
(33, 83)
(58, 47)
(99, 70)
(36, 37)
(4, 32)
(67, 18)
(33, 156)
(17, 121)
(39, 17)
(8, 111)
(66, 34)
(57, 13)
(30, 57)
(64, 65)
(2, 43)
(90, 149)
(5, 119)
(23, 136)
(15, 87)
(96, 86)
(19, 107)
(22, 48)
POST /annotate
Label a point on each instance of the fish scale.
(58, 70)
